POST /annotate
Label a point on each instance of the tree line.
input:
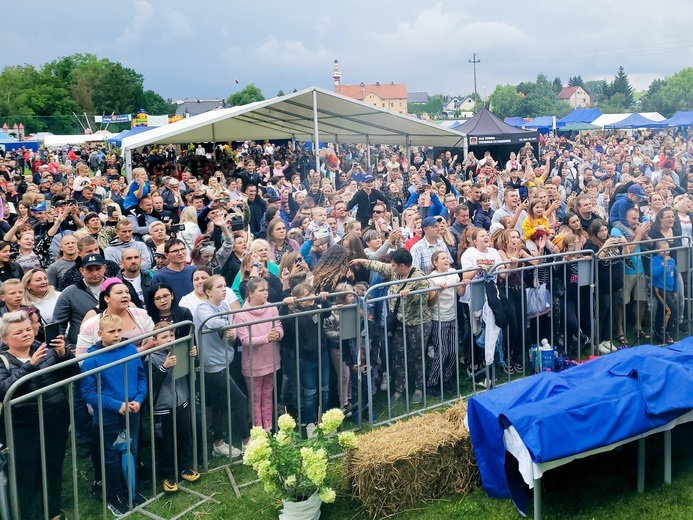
(538, 98)
(45, 98)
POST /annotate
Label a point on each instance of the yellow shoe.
(170, 487)
(190, 475)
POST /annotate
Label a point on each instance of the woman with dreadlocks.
(332, 269)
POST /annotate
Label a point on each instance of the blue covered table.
(547, 420)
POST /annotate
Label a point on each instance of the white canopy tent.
(62, 140)
(610, 119)
(312, 114)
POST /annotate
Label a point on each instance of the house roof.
(383, 91)
(417, 97)
(566, 92)
(195, 107)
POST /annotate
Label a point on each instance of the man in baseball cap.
(624, 202)
(430, 243)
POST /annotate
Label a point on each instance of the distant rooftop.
(193, 106)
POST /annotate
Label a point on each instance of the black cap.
(94, 259)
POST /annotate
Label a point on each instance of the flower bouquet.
(294, 469)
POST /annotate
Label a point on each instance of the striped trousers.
(443, 340)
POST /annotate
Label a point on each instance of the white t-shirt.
(472, 257)
(137, 285)
(447, 300)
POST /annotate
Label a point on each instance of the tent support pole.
(128, 164)
(408, 156)
(316, 135)
(368, 151)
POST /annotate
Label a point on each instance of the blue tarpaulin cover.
(604, 401)
(581, 115)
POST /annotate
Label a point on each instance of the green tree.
(621, 85)
(597, 89)
(280, 93)
(249, 94)
(557, 85)
(576, 81)
(156, 105)
(677, 92)
(504, 101)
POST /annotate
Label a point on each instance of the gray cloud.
(198, 49)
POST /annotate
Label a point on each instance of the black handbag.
(392, 322)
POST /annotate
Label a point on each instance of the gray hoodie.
(170, 395)
(215, 351)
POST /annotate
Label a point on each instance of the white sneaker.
(223, 450)
(605, 347)
(431, 352)
(310, 430)
(385, 383)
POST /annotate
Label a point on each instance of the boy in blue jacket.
(115, 402)
(665, 287)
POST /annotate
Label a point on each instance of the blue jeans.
(310, 378)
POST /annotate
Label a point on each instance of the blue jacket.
(664, 276)
(619, 209)
(113, 380)
(436, 206)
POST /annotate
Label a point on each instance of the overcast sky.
(199, 49)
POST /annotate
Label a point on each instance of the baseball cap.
(173, 182)
(368, 178)
(108, 282)
(430, 221)
(636, 189)
(39, 207)
(273, 198)
(93, 260)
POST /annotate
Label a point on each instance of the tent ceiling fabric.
(340, 119)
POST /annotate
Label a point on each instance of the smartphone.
(70, 201)
(460, 200)
(395, 223)
(111, 211)
(52, 331)
(178, 227)
(48, 205)
(81, 206)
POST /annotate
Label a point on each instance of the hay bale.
(395, 468)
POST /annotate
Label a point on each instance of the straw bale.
(395, 468)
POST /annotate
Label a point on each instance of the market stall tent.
(681, 118)
(312, 114)
(609, 119)
(62, 140)
(485, 132)
(581, 115)
(636, 121)
(118, 138)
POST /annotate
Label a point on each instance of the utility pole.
(474, 61)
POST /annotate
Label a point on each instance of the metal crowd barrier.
(80, 505)
(648, 250)
(350, 327)
(364, 329)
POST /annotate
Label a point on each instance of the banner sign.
(124, 118)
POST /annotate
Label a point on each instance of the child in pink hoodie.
(260, 355)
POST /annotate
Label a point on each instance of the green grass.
(600, 487)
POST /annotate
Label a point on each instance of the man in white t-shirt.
(132, 275)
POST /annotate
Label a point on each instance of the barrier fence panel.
(39, 427)
(635, 282)
(305, 361)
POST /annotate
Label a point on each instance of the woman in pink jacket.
(260, 355)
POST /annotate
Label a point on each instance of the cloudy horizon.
(202, 54)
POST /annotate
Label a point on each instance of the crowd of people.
(213, 235)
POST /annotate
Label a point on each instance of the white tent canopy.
(62, 140)
(299, 116)
(610, 119)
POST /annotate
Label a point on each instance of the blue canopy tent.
(517, 122)
(541, 123)
(681, 118)
(580, 115)
(5, 138)
(118, 138)
(635, 120)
